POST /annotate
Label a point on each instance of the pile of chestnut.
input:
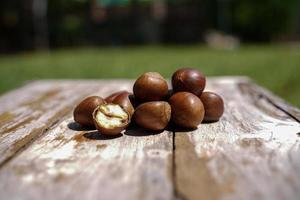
(153, 105)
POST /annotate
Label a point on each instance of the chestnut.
(123, 98)
(188, 80)
(150, 86)
(154, 115)
(187, 110)
(111, 119)
(83, 113)
(111, 97)
(213, 105)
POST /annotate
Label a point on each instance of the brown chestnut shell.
(187, 110)
(108, 117)
(154, 115)
(188, 80)
(122, 98)
(83, 112)
(150, 86)
(111, 97)
(213, 105)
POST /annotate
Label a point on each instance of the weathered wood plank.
(251, 153)
(68, 162)
(29, 111)
(279, 103)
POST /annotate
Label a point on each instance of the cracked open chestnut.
(111, 119)
(188, 80)
(213, 105)
(150, 86)
(187, 110)
(83, 112)
(122, 98)
(154, 115)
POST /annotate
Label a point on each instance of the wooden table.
(253, 152)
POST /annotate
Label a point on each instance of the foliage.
(261, 20)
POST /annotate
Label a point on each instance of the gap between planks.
(205, 182)
(25, 156)
(176, 193)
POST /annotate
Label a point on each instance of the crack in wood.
(275, 101)
(282, 109)
(206, 169)
(29, 139)
(191, 166)
(207, 163)
(176, 193)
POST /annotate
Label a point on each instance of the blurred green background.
(276, 67)
(103, 39)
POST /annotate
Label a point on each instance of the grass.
(277, 67)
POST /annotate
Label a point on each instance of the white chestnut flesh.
(111, 119)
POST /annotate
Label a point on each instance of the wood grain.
(69, 162)
(30, 111)
(251, 153)
(276, 101)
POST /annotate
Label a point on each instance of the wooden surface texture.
(253, 152)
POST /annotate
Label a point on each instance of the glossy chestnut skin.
(154, 115)
(213, 105)
(111, 97)
(188, 80)
(83, 113)
(111, 131)
(150, 86)
(122, 98)
(187, 110)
